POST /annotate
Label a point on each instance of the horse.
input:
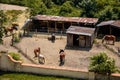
(37, 52)
(10, 29)
(62, 57)
(108, 38)
(41, 58)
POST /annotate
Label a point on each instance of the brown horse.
(62, 57)
(10, 29)
(37, 52)
(108, 38)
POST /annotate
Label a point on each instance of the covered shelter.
(58, 24)
(80, 36)
(111, 27)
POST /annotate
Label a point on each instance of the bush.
(15, 56)
(95, 41)
(103, 64)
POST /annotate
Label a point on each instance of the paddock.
(75, 57)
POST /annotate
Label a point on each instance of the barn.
(57, 24)
(80, 36)
(111, 27)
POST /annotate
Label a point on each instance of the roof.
(115, 23)
(105, 23)
(11, 7)
(66, 19)
(80, 30)
(26, 24)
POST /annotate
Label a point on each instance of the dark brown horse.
(37, 52)
(108, 38)
(62, 57)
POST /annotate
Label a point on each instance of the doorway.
(75, 40)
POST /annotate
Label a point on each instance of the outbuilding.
(111, 27)
(80, 36)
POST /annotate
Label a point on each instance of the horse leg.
(102, 40)
(35, 53)
(113, 42)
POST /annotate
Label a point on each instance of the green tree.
(88, 7)
(37, 7)
(66, 9)
(2, 21)
(59, 2)
(103, 64)
(48, 3)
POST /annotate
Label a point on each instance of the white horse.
(41, 58)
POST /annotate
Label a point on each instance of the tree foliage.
(88, 8)
(102, 9)
(48, 3)
(2, 20)
(65, 9)
(101, 63)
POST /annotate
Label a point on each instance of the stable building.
(80, 36)
(57, 24)
(111, 27)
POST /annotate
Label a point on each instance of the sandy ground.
(75, 58)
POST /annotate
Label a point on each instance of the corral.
(75, 57)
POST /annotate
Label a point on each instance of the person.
(62, 57)
(53, 37)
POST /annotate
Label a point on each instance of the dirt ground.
(75, 58)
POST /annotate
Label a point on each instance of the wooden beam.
(55, 26)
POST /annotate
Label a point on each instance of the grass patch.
(25, 76)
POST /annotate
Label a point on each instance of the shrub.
(103, 64)
(95, 41)
(15, 56)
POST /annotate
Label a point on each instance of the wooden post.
(48, 26)
(55, 26)
(63, 26)
(24, 32)
(36, 32)
(110, 30)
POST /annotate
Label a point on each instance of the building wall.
(82, 41)
(69, 40)
(87, 41)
